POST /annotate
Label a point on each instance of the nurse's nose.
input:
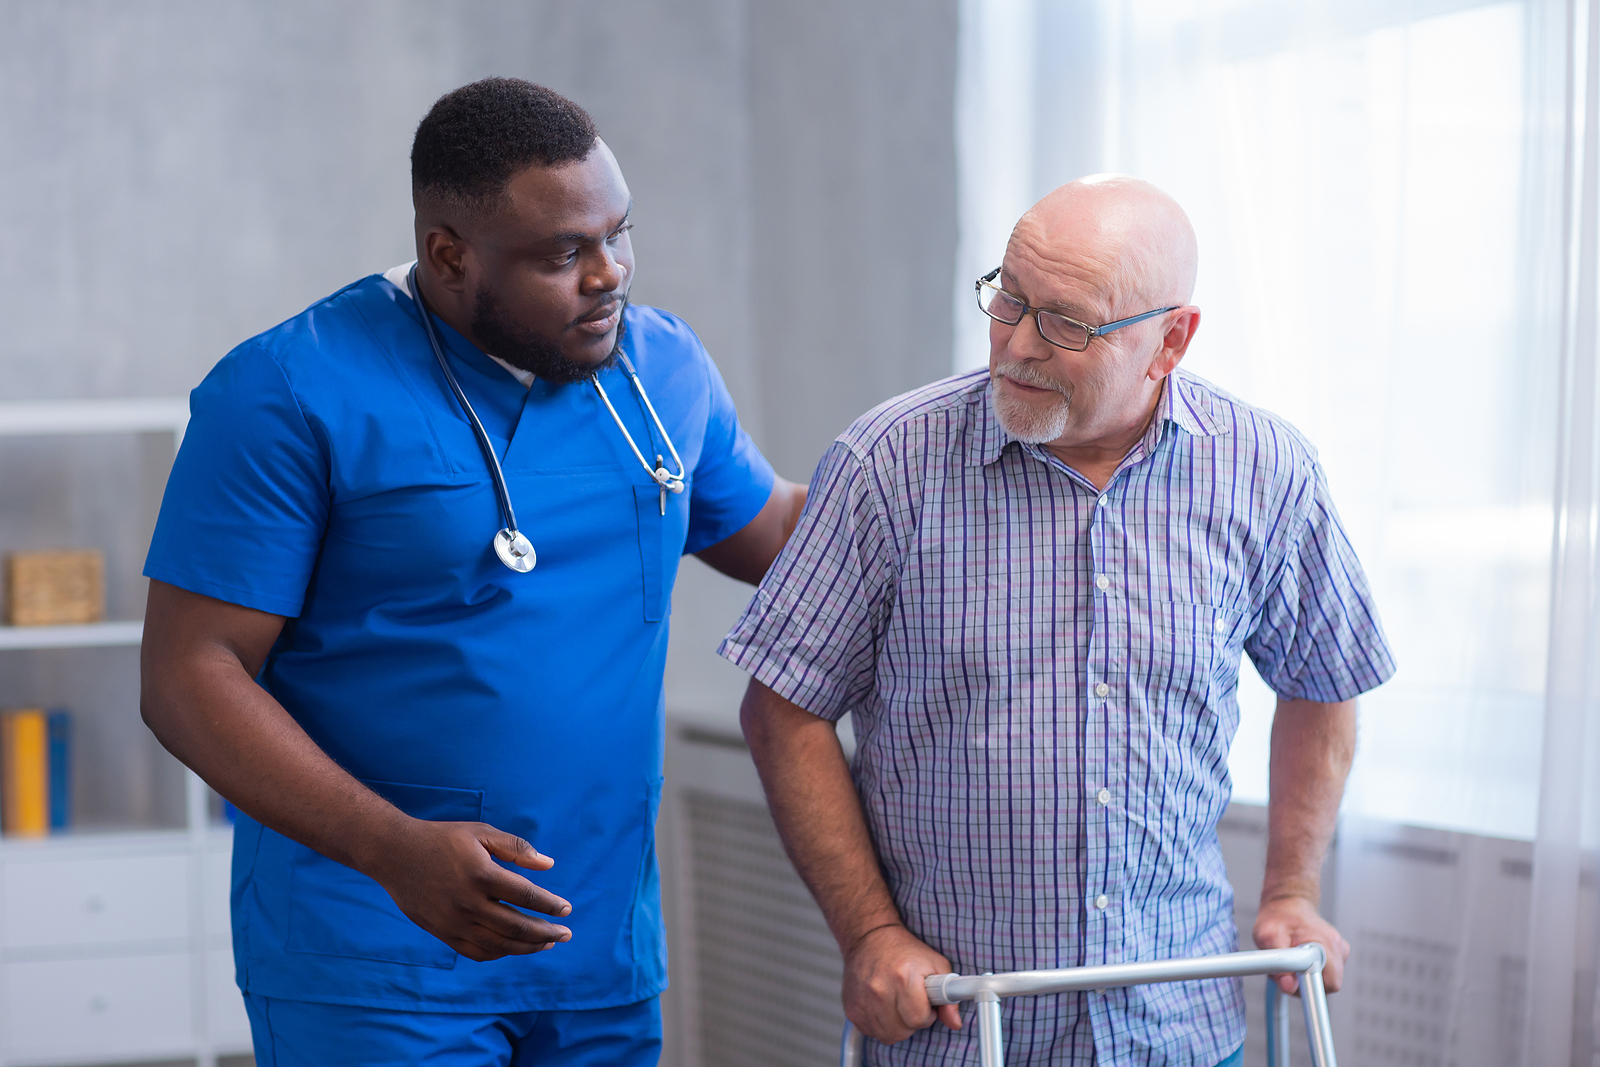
(610, 274)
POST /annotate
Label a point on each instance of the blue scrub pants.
(295, 1033)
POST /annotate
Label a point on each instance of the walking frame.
(1305, 961)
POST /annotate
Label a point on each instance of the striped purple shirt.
(1042, 680)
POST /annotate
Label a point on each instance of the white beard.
(1027, 422)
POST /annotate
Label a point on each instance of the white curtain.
(1397, 210)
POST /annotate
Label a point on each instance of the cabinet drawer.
(92, 1009)
(94, 901)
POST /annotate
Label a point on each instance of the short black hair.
(475, 138)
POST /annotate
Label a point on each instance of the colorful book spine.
(24, 773)
(60, 738)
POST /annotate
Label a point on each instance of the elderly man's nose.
(1026, 342)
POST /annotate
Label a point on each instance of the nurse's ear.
(443, 255)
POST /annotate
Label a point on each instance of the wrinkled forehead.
(1077, 269)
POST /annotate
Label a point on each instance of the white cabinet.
(115, 948)
(83, 1010)
(114, 945)
(95, 900)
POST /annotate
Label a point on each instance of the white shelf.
(162, 990)
(88, 635)
(157, 414)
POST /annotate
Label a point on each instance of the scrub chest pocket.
(661, 540)
(337, 911)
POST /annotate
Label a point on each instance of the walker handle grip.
(934, 984)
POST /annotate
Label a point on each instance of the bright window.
(1357, 185)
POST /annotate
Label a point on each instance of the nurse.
(448, 768)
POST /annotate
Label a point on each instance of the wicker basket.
(55, 588)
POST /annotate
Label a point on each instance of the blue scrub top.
(328, 475)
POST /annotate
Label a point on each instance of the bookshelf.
(114, 936)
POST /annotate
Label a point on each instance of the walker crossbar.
(1305, 961)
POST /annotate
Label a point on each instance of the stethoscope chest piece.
(515, 551)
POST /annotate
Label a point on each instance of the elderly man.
(1031, 587)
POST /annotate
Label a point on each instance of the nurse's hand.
(443, 876)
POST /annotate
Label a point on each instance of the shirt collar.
(1181, 403)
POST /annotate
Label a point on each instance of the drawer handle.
(94, 905)
(99, 1005)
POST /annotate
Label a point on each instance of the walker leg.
(1319, 1032)
(991, 1050)
(1277, 1025)
(850, 1046)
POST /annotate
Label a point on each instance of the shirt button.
(1104, 796)
(1104, 500)
(1101, 901)
(1222, 624)
(1103, 582)
(1102, 689)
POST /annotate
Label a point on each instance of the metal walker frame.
(1306, 961)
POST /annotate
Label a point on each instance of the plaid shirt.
(1042, 677)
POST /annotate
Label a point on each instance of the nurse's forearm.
(199, 697)
(747, 554)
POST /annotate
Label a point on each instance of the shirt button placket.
(1105, 747)
(1098, 736)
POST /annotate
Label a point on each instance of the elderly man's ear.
(1175, 342)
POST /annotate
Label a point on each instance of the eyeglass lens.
(1003, 307)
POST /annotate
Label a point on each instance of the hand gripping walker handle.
(1306, 961)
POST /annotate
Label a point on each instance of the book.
(59, 730)
(24, 773)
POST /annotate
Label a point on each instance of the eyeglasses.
(1056, 328)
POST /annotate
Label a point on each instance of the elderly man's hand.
(1293, 920)
(884, 995)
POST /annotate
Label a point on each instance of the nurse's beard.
(530, 351)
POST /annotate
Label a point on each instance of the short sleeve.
(811, 633)
(247, 503)
(732, 479)
(1319, 637)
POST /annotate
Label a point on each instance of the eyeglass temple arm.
(1096, 331)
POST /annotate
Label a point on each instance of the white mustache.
(1029, 374)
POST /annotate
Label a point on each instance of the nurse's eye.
(620, 230)
(566, 259)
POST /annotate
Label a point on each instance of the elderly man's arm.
(1312, 747)
(819, 817)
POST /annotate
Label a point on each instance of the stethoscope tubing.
(513, 549)
(672, 482)
(502, 494)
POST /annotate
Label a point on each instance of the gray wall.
(177, 175)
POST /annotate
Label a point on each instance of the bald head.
(1128, 232)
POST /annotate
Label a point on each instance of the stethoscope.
(515, 550)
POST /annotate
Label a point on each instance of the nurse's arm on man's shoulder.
(747, 554)
(200, 698)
